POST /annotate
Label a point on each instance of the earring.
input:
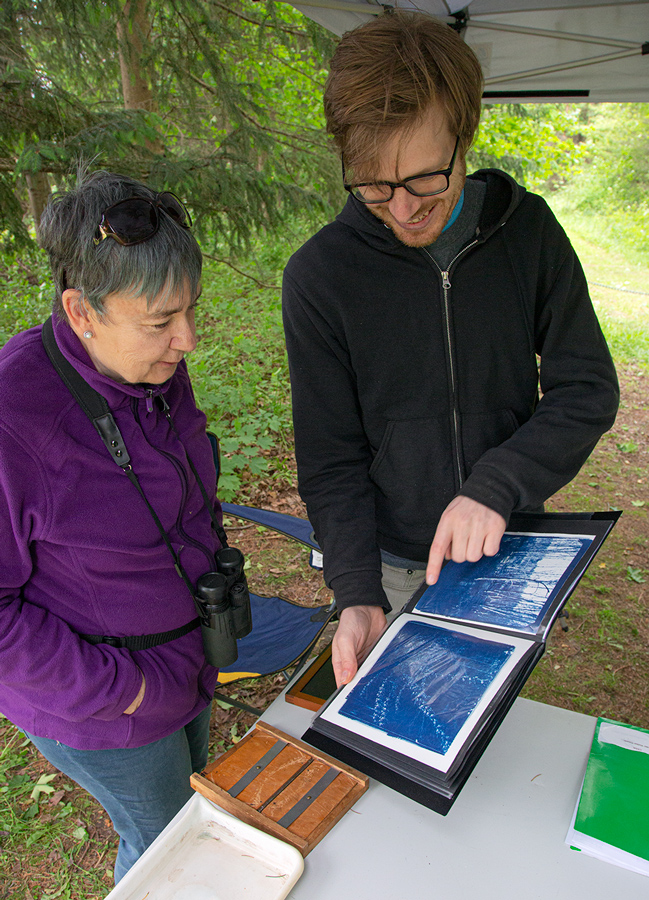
(88, 335)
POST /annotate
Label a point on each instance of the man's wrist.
(497, 496)
(361, 588)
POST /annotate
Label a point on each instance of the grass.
(44, 820)
(619, 289)
(609, 198)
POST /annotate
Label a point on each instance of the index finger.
(436, 557)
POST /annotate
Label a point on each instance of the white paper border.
(439, 761)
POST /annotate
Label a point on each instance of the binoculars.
(224, 603)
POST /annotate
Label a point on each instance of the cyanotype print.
(512, 589)
(426, 684)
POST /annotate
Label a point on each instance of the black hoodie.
(412, 385)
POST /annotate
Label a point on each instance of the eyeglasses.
(419, 185)
(137, 219)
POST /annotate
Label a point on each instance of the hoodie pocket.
(414, 477)
(416, 474)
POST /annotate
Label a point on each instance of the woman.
(83, 561)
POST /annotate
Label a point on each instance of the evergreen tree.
(218, 100)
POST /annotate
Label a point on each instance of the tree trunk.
(38, 190)
(133, 31)
(12, 54)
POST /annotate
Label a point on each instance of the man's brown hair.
(386, 74)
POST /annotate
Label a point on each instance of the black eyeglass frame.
(106, 230)
(393, 185)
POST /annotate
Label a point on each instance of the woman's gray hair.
(170, 260)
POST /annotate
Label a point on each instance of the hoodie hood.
(503, 196)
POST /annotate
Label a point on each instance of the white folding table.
(503, 838)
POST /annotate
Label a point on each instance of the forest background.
(220, 101)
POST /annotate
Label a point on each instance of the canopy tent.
(538, 50)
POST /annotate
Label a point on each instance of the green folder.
(614, 802)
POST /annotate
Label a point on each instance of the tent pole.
(555, 35)
(564, 67)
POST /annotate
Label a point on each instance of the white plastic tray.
(206, 854)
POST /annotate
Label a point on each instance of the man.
(413, 325)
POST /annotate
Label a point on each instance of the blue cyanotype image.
(426, 684)
(512, 589)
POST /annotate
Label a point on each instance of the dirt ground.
(600, 665)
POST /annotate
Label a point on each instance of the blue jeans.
(141, 788)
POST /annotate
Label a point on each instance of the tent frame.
(460, 21)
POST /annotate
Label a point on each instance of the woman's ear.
(76, 311)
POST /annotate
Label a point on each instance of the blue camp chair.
(283, 633)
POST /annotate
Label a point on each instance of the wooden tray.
(282, 786)
(314, 687)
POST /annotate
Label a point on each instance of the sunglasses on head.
(137, 219)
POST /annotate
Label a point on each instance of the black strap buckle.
(112, 641)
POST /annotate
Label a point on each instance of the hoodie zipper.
(446, 288)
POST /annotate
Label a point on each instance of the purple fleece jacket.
(80, 553)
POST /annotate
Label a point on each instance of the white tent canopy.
(538, 50)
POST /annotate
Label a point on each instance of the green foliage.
(229, 115)
(538, 144)
(240, 373)
(610, 199)
(635, 574)
(13, 233)
(25, 292)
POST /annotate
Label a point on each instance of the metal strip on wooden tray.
(318, 788)
(283, 787)
(258, 767)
